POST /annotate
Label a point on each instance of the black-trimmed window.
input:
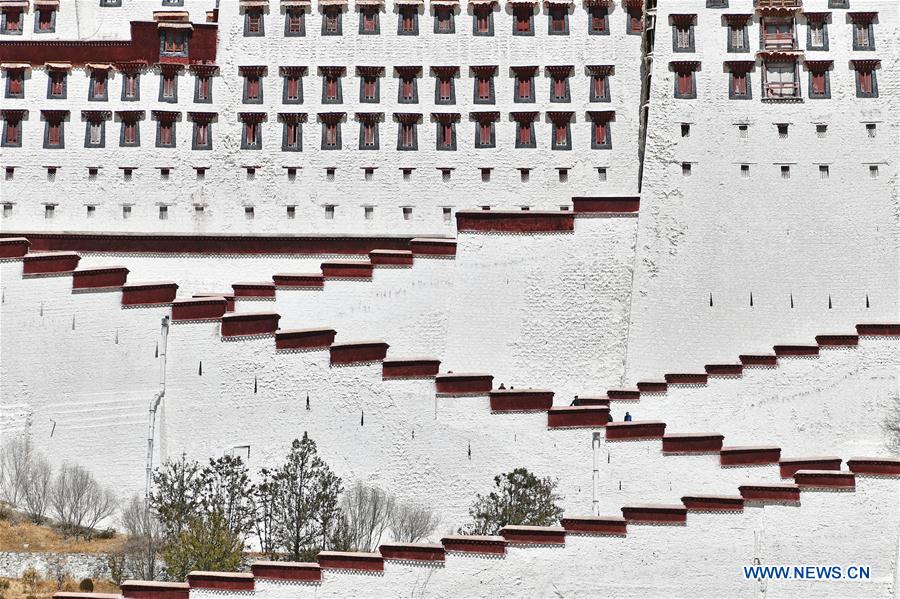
(131, 86)
(683, 33)
(863, 33)
(254, 23)
(54, 132)
(685, 82)
(816, 32)
(331, 135)
(739, 87)
(598, 20)
(407, 20)
(331, 88)
(819, 81)
(95, 131)
(634, 24)
(444, 89)
(600, 91)
(173, 42)
(12, 21)
(523, 19)
(407, 134)
(408, 88)
(251, 134)
(203, 88)
(293, 88)
(292, 136)
(525, 137)
(253, 88)
(98, 87)
(15, 83)
(202, 135)
(130, 132)
(601, 131)
(368, 134)
(561, 133)
(368, 20)
(332, 18)
(483, 19)
(446, 135)
(165, 132)
(369, 92)
(294, 22)
(44, 19)
(57, 84)
(443, 20)
(866, 82)
(168, 87)
(483, 88)
(12, 128)
(485, 133)
(558, 19)
(738, 34)
(559, 86)
(524, 86)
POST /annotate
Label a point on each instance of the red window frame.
(254, 21)
(45, 19)
(15, 82)
(446, 137)
(165, 133)
(635, 20)
(13, 131)
(601, 132)
(483, 88)
(57, 83)
(12, 20)
(331, 88)
(444, 19)
(560, 133)
(864, 80)
(598, 20)
(251, 132)
(292, 83)
(368, 134)
(168, 85)
(600, 87)
(292, 134)
(370, 88)
(330, 134)
(253, 87)
(407, 135)
(522, 15)
(523, 88)
(484, 132)
(558, 19)
(130, 82)
(685, 82)
(129, 133)
(738, 83)
(99, 83)
(54, 129)
(202, 87)
(525, 132)
(445, 89)
(407, 20)
(559, 87)
(483, 19)
(331, 20)
(201, 134)
(295, 21)
(407, 89)
(369, 20)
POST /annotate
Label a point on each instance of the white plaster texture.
(829, 245)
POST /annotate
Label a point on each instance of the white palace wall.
(830, 246)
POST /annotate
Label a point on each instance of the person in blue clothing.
(627, 416)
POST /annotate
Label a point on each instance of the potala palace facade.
(451, 239)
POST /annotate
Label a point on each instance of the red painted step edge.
(837, 340)
(304, 338)
(304, 571)
(525, 400)
(713, 503)
(791, 465)
(410, 368)
(623, 394)
(590, 401)
(99, 277)
(724, 369)
(660, 514)
(13, 247)
(796, 350)
(692, 443)
(225, 581)
(514, 221)
(150, 589)
(494, 545)
(425, 552)
(577, 416)
(686, 379)
(391, 257)
(876, 466)
(597, 205)
(758, 359)
(595, 525)
(360, 351)
(206, 308)
(824, 479)
(49, 262)
(427, 246)
(652, 386)
(885, 329)
(259, 289)
(228, 297)
(749, 455)
(249, 323)
(460, 383)
(771, 492)
(347, 269)
(349, 560)
(534, 535)
(299, 280)
(80, 595)
(137, 294)
(635, 430)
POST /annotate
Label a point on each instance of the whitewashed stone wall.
(827, 244)
(77, 565)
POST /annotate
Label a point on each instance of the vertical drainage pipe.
(154, 404)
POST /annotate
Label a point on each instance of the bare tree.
(368, 511)
(37, 488)
(412, 523)
(57, 569)
(15, 466)
(144, 540)
(78, 501)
